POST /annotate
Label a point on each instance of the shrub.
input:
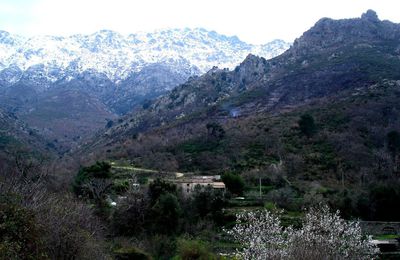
(206, 204)
(128, 253)
(384, 200)
(69, 229)
(159, 187)
(393, 141)
(19, 235)
(93, 181)
(36, 223)
(234, 183)
(165, 214)
(129, 217)
(120, 185)
(215, 131)
(193, 249)
(307, 125)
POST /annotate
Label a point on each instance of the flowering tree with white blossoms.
(324, 235)
(260, 235)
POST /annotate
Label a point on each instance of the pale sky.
(253, 21)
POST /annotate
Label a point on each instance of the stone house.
(189, 184)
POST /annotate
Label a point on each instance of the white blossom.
(324, 235)
(260, 235)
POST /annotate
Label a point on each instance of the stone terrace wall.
(380, 227)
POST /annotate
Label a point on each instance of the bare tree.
(68, 228)
(97, 188)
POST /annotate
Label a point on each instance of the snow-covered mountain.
(118, 56)
(67, 87)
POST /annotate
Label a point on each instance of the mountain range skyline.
(117, 55)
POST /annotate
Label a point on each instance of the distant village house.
(189, 184)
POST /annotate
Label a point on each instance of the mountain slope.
(17, 139)
(317, 66)
(64, 114)
(343, 74)
(67, 116)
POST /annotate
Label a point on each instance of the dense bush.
(100, 170)
(234, 183)
(384, 201)
(193, 249)
(215, 131)
(19, 232)
(165, 214)
(69, 229)
(131, 215)
(40, 224)
(307, 125)
(130, 253)
(159, 187)
(207, 204)
(95, 183)
(162, 246)
(393, 140)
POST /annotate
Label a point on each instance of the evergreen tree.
(307, 125)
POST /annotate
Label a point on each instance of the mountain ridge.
(118, 55)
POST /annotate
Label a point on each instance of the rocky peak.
(328, 33)
(213, 70)
(252, 63)
(251, 58)
(251, 69)
(9, 40)
(370, 15)
(9, 76)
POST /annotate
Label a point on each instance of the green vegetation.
(307, 125)
(387, 236)
(161, 187)
(126, 253)
(215, 131)
(165, 214)
(82, 182)
(234, 183)
(385, 200)
(245, 97)
(193, 249)
(7, 142)
(19, 234)
(393, 140)
(198, 146)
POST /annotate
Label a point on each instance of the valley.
(160, 151)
